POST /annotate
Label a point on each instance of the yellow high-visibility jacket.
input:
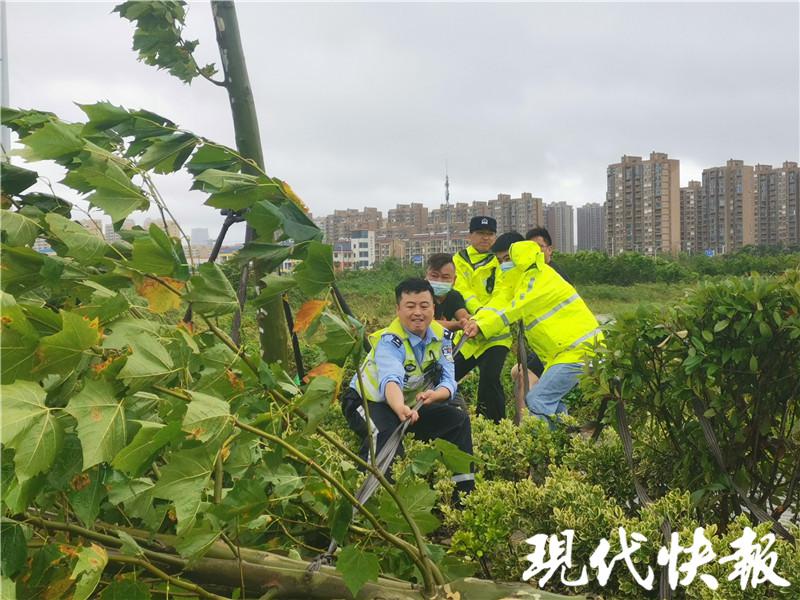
(477, 278)
(559, 326)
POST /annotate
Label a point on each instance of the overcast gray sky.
(362, 104)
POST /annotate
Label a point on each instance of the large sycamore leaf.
(18, 340)
(148, 361)
(357, 567)
(211, 294)
(418, 499)
(81, 244)
(183, 481)
(160, 298)
(307, 314)
(157, 254)
(134, 458)
(168, 153)
(92, 560)
(14, 179)
(53, 141)
(114, 192)
(18, 230)
(102, 428)
(62, 352)
(206, 417)
(315, 273)
(29, 427)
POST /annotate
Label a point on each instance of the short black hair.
(438, 260)
(539, 232)
(413, 285)
(503, 243)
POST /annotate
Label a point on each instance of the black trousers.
(491, 397)
(443, 420)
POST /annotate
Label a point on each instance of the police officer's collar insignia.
(409, 367)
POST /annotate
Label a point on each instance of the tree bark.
(273, 334)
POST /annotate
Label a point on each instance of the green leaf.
(284, 479)
(317, 400)
(168, 153)
(454, 459)
(8, 588)
(81, 244)
(211, 293)
(62, 352)
(29, 427)
(47, 203)
(274, 285)
(245, 502)
(297, 225)
(14, 179)
(53, 141)
(235, 191)
(754, 363)
(423, 460)
(125, 589)
(151, 437)
(115, 193)
(269, 255)
(357, 567)
(15, 549)
(197, 542)
(92, 560)
(148, 362)
(86, 501)
(103, 115)
(206, 417)
(341, 338)
(217, 158)
(18, 341)
(720, 325)
(340, 522)
(102, 427)
(315, 273)
(18, 230)
(129, 545)
(156, 254)
(20, 268)
(265, 218)
(708, 336)
(182, 482)
(418, 499)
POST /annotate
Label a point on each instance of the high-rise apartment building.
(690, 217)
(643, 205)
(516, 214)
(342, 223)
(93, 226)
(777, 220)
(591, 227)
(409, 218)
(559, 219)
(727, 207)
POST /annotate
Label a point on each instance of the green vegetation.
(144, 450)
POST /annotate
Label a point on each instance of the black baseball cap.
(482, 224)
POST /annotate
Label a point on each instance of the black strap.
(713, 446)
(298, 357)
(491, 281)
(664, 589)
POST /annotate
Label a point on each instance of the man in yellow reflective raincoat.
(477, 273)
(558, 325)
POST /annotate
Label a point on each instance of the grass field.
(372, 301)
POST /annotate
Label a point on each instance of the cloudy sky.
(364, 104)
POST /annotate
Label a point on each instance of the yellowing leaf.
(160, 298)
(307, 314)
(287, 189)
(329, 370)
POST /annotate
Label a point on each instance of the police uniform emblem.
(447, 352)
(409, 367)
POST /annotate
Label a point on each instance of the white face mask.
(441, 288)
(507, 266)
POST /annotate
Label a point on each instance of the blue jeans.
(546, 398)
